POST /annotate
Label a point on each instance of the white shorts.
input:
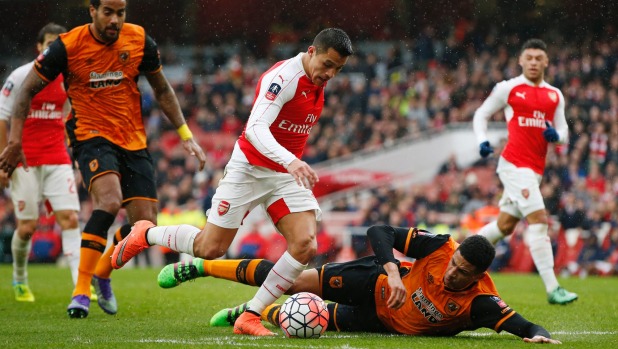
(244, 187)
(55, 183)
(522, 193)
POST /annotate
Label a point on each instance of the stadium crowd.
(407, 90)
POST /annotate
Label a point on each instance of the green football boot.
(227, 317)
(173, 275)
(561, 296)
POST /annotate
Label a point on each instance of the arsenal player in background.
(534, 112)
(47, 176)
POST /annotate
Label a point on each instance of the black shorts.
(136, 169)
(352, 285)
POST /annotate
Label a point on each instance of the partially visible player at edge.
(101, 62)
(265, 169)
(534, 112)
(444, 292)
(49, 177)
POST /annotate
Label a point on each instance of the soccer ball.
(303, 315)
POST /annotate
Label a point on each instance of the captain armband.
(184, 132)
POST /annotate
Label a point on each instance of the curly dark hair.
(478, 251)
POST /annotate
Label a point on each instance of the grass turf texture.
(149, 316)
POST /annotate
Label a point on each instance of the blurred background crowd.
(409, 80)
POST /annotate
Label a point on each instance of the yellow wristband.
(184, 132)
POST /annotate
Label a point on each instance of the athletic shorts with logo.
(352, 286)
(244, 187)
(54, 183)
(99, 156)
(522, 193)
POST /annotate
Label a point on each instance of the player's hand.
(550, 133)
(542, 340)
(194, 149)
(304, 175)
(398, 294)
(485, 149)
(11, 156)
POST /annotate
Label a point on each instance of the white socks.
(542, 254)
(176, 237)
(71, 244)
(21, 251)
(279, 279)
(491, 232)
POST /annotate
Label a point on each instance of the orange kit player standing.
(264, 169)
(101, 63)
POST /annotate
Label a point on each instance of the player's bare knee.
(208, 251)
(507, 227)
(67, 219)
(26, 228)
(303, 250)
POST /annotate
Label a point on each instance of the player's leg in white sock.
(179, 238)
(279, 280)
(491, 232)
(20, 249)
(71, 244)
(542, 254)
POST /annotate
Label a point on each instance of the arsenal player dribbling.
(265, 169)
(534, 112)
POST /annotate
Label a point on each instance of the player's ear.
(311, 50)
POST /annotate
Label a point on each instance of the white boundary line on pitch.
(570, 333)
(248, 342)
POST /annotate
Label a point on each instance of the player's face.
(460, 273)
(108, 19)
(324, 65)
(47, 40)
(533, 62)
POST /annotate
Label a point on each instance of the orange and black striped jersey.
(101, 82)
(433, 309)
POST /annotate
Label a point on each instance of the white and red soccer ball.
(303, 315)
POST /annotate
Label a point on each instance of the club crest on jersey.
(525, 193)
(123, 57)
(21, 205)
(273, 91)
(223, 207)
(553, 96)
(93, 165)
(452, 307)
(8, 87)
(335, 282)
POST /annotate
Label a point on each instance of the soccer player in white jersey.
(534, 112)
(47, 175)
(265, 169)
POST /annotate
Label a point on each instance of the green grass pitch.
(152, 317)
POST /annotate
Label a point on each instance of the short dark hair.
(335, 38)
(478, 251)
(534, 43)
(50, 28)
(95, 3)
